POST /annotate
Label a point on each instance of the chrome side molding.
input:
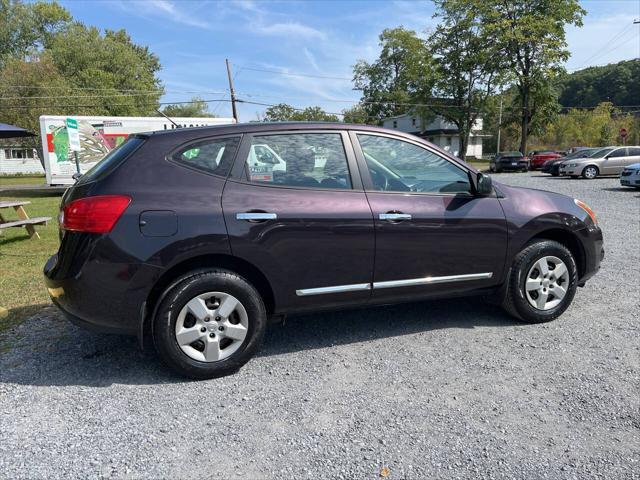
(430, 280)
(356, 287)
(393, 284)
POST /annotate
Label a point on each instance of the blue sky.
(323, 38)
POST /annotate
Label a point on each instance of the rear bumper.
(505, 167)
(101, 297)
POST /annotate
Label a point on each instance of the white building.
(439, 132)
(19, 160)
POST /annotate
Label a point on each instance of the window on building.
(18, 153)
(448, 141)
(413, 122)
(395, 124)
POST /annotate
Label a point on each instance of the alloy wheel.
(211, 326)
(547, 283)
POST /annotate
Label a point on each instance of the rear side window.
(211, 156)
(114, 158)
(311, 160)
(634, 151)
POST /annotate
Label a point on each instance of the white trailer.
(98, 136)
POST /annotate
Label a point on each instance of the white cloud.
(312, 59)
(164, 9)
(602, 40)
(290, 29)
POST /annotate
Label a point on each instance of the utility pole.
(499, 125)
(231, 92)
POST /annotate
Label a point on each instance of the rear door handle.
(256, 216)
(394, 216)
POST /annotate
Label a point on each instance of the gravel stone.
(442, 389)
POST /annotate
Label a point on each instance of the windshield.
(601, 152)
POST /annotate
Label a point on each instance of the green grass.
(10, 180)
(22, 291)
(481, 165)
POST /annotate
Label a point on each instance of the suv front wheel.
(210, 324)
(542, 282)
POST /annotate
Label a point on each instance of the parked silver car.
(607, 161)
(631, 176)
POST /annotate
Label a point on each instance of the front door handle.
(394, 216)
(256, 216)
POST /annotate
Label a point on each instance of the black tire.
(555, 174)
(586, 173)
(176, 298)
(515, 302)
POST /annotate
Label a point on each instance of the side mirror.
(76, 176)
(483, 184)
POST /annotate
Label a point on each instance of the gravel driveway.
(450, 389)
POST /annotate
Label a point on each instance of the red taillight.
(94, 214)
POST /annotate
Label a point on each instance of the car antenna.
(165, 116)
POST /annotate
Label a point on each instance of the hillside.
(618, 83)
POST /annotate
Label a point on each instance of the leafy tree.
(283, 113)
(402, 74)
(123, 73)
(40, 84)
(616, 83)
(469, 67)
(357, 114)
(531, 35)
(197, 108)
(595, 127)
(25, 27)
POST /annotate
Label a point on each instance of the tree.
(468, 65)
(196, 108)
(593, 127)
(616, 83)
(283, 113)
(531, 35)
(402, 74)
(26, 27)
(40, 84)
(122, 73)
(357, 114)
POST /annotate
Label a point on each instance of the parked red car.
(538, 159)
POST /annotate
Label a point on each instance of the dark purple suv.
(198, 237)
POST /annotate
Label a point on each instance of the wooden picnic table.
(24, 221)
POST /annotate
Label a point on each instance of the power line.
(151, 91)
(605, 47)
(110, 105)
(80, 96)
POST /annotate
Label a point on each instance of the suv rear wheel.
(210, 324)
(542, 282)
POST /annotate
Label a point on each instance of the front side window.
(210, 156)
(621, 152)
(312, 160)
(399, 166)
